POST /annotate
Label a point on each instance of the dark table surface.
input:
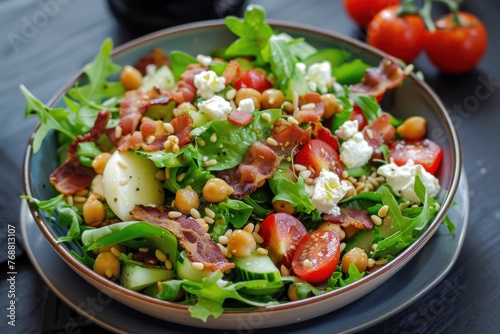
(66, 36)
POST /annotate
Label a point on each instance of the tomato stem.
(425, 13)
(406, 8)
(454, 8)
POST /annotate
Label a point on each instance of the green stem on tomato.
(407, 7)
(454, 8)
(425, 13)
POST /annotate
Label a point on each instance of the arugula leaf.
(291, 192)
(407, 229)
(213, 291)
(67, 215)
(233, 141)
(281, 59)
(58, 119)
(338, 279)
(341, 117)
(179, 61)
(369, 106)
(134, 234)
(98, 88)
(168, 159)
(239, 212)
(253, 32)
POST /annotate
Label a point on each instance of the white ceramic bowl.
(414, 97)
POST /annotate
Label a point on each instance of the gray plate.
(417, 278)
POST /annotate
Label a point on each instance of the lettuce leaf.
(213, 291)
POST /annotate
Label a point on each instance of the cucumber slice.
(185, 270)
(137, 277)
(364, 238)
(258, 267)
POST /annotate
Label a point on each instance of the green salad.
(262, 173)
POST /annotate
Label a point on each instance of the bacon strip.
(72, 176)
(262, 159)
(192, 237)
(377, 80)
(304, 115)
(351, 217)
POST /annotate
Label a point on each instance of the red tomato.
(362, 11)
(281, 233)
(358, 115)
(317, 256)
(457, 48)
(400, 36)
(424, 152)
(253, 79)
(319, 155)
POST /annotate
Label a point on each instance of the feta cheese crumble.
(402, 180)
(355, 152)
(247, 105)
(328, 191)
(319, 76)
(204, 60)
(215, 108)
(208, 83)
(347, 130)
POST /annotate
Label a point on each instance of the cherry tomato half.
(400, 36)
(319, 155)
(456, 47)
(317, 256)
(358, 115)
(424, 152)
(253, 79)
(281, 233)
(362, 11)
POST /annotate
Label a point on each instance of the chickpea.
(333, 227)
(131, 78)
(93, 210)
(413, 128)
(331, 105)
(272, 98)
(241, 243)
(216, 190)
(283, 206)
(358, 257)
(186, 199)
(245, 93)
(100, 161)
(107, 265)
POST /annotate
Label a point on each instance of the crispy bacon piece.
(232, 72)
(240, 117)
(379, 132)
(262, 159)
(304, 115)
(72, 176)
(192, 237)
(155, 129)
(156, 57)
(376, 80)
(324, 134)
(351, 217)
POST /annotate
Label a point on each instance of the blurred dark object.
(145, 16)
